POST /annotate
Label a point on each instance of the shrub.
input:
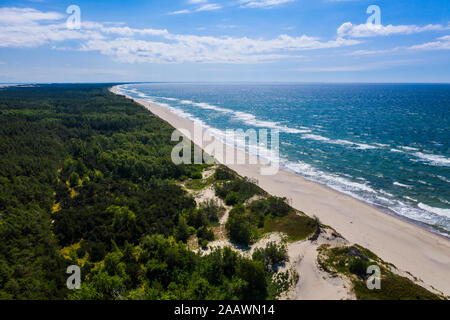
(358, 266)
(211, 209)
(205, 233)
(197, 218)
(73, 179)
(196, 175)
(223, 173)
(232, 198)
(243, 188)
(203, 243)
(277, 207)
(239, 227)
(182, 230)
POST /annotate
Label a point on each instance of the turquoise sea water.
(385, 144)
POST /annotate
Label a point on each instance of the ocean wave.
(381, 145)
(208, 106)
(386, 193)
(258, 150)
(409, 198)
(385, 199)
(422, 215)
(315, 137)
(433, 159)
(356, 145)
(401, 185)
(423, 182)
(442, 178)
(438, 211)
(336, 182)
(247, 118)
(409, 148)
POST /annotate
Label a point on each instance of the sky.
(225, 40)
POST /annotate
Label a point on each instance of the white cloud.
(181, 11)
(352, 68)
(443, 43)
(373, 52)
(347, 29)
(138, 51)
(332, 69)
(17, 16)
(32, 28)
(204, 49)
(33, 36)
(205, 7)
(124, 31)
(262, 3)
(209, 7)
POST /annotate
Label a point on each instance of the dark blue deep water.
(386, 144)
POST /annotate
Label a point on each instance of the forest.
(86, 179)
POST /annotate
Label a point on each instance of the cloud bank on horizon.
(326, 48)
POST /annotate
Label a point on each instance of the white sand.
(409, 247)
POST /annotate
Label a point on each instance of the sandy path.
(315, 284)
(409, 247)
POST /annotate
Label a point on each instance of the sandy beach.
(410, 248)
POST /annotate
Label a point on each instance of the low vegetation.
(352, 262)
(237, 190)
(294, 225)
(272, 255)
(250, 218)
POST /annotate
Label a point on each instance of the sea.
(385, 144)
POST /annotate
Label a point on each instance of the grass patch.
(353, 261)
(198, 184)
(393, 287)
(296, 227)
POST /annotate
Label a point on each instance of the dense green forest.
(86, 178)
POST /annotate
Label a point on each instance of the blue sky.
(225, 40)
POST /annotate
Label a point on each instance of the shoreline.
(408, 246)
(381, 209)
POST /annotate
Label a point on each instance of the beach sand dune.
(411, 248)
(314, 283)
